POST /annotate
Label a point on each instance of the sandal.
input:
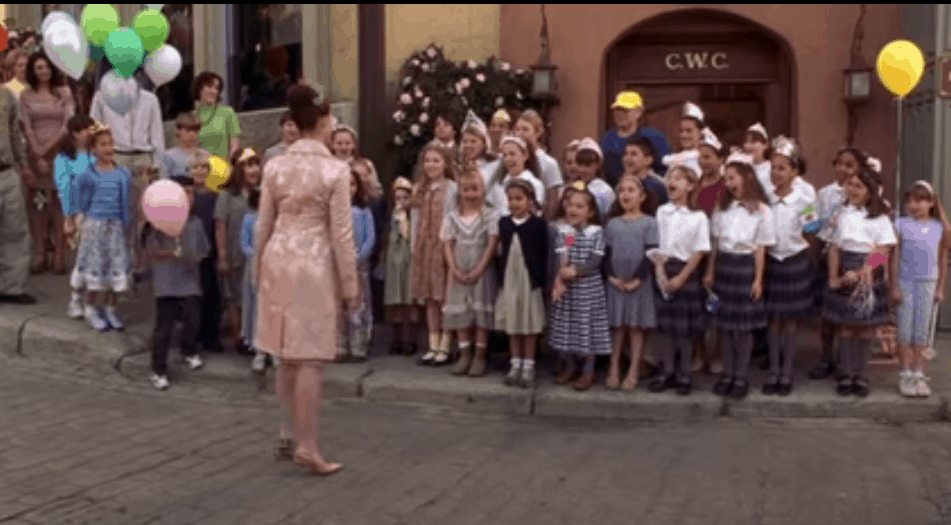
(320, 470)
(426, 359)
(613, 382)
(860, 387)
(844, 387)
(771, 386)
(785, 386)
(723, 385)
(629, 384)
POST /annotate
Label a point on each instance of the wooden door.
(665, 107)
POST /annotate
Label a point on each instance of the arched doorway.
(736, 70)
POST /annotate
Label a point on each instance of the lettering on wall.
(699, 60)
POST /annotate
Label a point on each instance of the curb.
(387, 379)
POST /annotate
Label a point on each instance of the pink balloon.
(166, 207)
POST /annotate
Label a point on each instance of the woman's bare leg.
(637, 337)
(285, 386)
(614, 372)
(308, 394)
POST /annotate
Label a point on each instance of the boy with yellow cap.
(627, 110)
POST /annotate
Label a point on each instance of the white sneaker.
(159, 382)
(259, 362)
(907, 385)
(921, 383)
(194, 362)
(75, 309)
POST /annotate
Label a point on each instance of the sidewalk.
(44, 333)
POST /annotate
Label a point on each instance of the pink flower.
(407, 81)
(398, 140)
(414, 130)
(406, 98)
(423, 118)
(480, 77)
(431, 52)
(499, 102)
(418, 93)
(415, 62)
(465, 83)
(425, 67)
(506, 66)
(398, 116)
(426, 103)
(569, 240)
(471, 64)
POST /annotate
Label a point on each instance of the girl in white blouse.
(742, 230)
(857, 297)
(790, 290)
(684, 235)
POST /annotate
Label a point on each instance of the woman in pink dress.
(306, 265)
(45, 107)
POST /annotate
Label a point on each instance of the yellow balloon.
(900, 66)
(219, 171)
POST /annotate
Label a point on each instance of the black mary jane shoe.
(771, 386)
(860, 387)
(740, 388)
(784, 388)
(397, 348)
(684, 386)
(723, 385)
(661, 383)
(844, 387)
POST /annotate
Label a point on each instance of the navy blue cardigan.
(533, 236)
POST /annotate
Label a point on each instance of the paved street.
(94, 451)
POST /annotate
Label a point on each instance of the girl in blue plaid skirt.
(742, 229)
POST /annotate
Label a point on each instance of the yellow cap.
(628, 100)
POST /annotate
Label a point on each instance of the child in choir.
(742, 227)
(432, 199)
(684, 235)
(103, 261)
(177, 161)
(73, 160)
(230, 208)
(176, 280)
(790, 295)
(831, 198)
(475, 146)
(921, 266)
(756, 145)
(397, 255)
(531, 128)
(570, 167)
(579, 320)
(690, 135)
(711, 186)
(629, 234)
(637, 160)
(520, 306)
(354, 344)
(444, 132)
(589, 160)
(518, 161)
(471, 237)
(857, 297)
(249, 291)
(289, 135)
(499, 126)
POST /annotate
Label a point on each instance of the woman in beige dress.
(306, 265)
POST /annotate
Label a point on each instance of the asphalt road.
(77, 450)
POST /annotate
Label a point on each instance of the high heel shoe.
(319, 470)
(284, 450)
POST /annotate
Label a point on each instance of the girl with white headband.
(518, 161)
(920, 264)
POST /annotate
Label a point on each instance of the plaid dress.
(733, 285)
(579, 321)
(790, 291)
(682, 314)
(838, 306)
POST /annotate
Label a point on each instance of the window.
(267, 54)
(176, 96)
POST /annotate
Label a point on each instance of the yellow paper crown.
(579, 185)
(501, 116)
(246, 154)
(99, 126)
(402, 183)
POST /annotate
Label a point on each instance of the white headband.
(709, 139)
(589, 144)
(692, 110)
(514, 139)
(759, 129)
(741, 158)
(926, 184)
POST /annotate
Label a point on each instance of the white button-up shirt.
(857, 233)
(141, 129)
(830, 199)
(740, 231)
(682, 232)
(787, 223)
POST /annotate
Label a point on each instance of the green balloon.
(152, 27)
(99, 21)
(125, 51)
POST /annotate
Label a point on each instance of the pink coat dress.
(306, 259)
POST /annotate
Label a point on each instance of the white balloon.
(66, 47)
(163, 65)
(53, 17)
(119, 94)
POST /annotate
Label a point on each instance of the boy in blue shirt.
(627, 110)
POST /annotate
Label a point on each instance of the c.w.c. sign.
(693, 62)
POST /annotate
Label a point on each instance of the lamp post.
(544, 82)
(858, 79)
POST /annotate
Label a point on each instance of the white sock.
(516, 363)
(76, 297)
(528, 363)
(463, 345)
(89, 310)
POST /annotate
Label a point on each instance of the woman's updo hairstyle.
(304, 112)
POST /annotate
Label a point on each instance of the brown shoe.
(464, 363)
(583, 383)
(565, 376)
(478, 366)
